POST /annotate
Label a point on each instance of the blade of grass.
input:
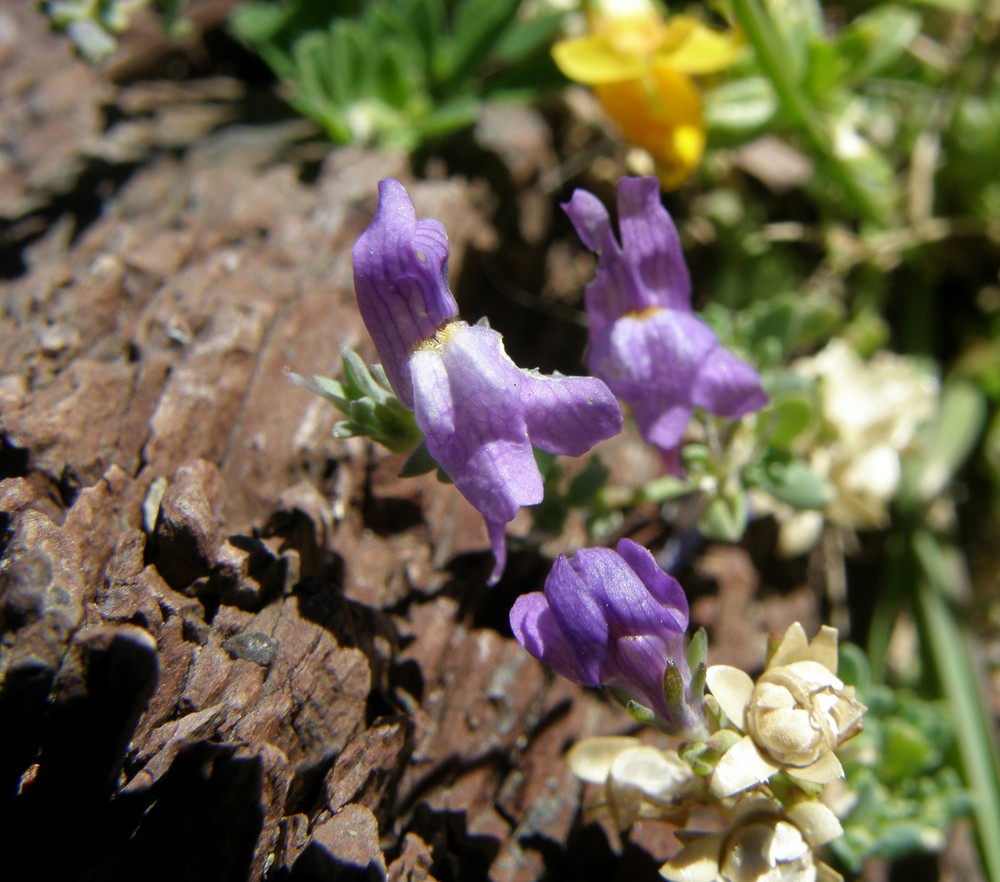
(775, 62)
(949, 650)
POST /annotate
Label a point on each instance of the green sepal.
(673, 689)
(639, 712)
(420, 462)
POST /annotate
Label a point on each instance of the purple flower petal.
(480, 414)
(568, 415)
(662, 586)
(650, 242)
(728, 386)
(467, 405)
(612, 618)
(646, 343)
(575, 654)
(648, 269)
(660, 350)
(401, 282)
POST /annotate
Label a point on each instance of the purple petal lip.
(646, 343)
(609, 618)
(481, 415)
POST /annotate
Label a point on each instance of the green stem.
(957, 675)
(776, 63)
(896, 590)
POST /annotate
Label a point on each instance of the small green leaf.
(725, 517)
(420, 462)
(791, 415)
(739, 109)
(790, 480)
(588, 483)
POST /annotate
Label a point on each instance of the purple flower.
(614, 619)
(480, 413)
(646, 342)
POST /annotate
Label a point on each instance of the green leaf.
(790, 480)
(876, 40)
(420, 462)
(740, 109)
(799, 22)
(478, 27)
(725, 517)
(906, 752)
(790, 415)
(946, 443)
(588, 483)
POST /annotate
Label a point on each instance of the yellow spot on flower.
(442, 336)
(644, 313)
(640, 67)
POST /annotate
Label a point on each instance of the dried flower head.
(764, 843)
(636, 780)
(794, 717)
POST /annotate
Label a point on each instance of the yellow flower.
(640, 67)
(794, 717)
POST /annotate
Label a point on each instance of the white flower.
(794, 717)
(869, 413)
(763, 844)
(872, 410)
(637, 780)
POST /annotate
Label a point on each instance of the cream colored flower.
(636, 780)
(870, 413)
(763, 844)
(794, 717)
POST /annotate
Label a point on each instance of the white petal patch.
(742, 766)
(733, 689)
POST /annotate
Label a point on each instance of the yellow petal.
(593, 60)
(660, 113)
(691, 48)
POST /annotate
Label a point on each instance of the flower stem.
(775, 61)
